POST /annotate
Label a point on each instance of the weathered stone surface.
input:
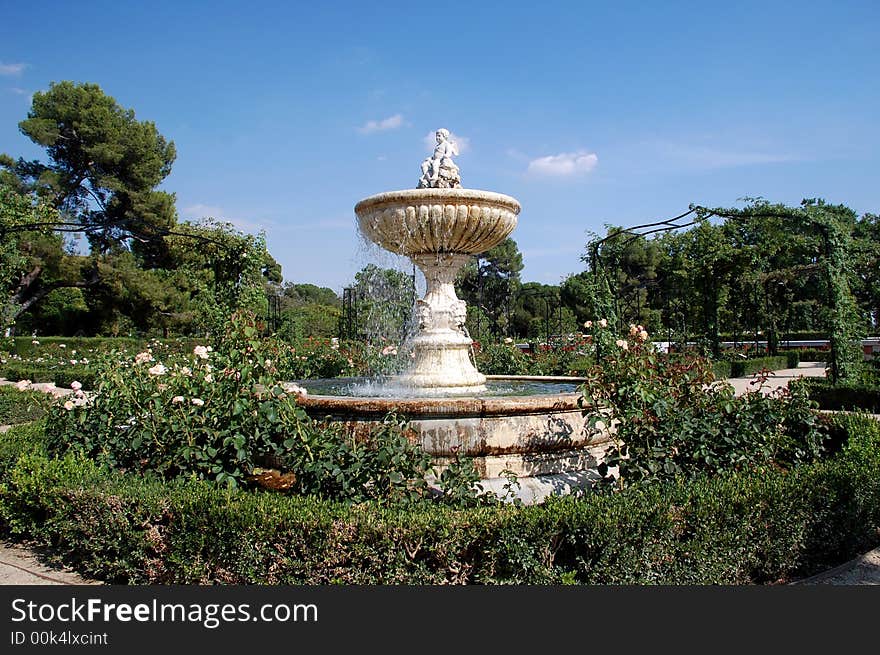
(529, 435)
(430, 221)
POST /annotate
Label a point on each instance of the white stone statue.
(438, 170)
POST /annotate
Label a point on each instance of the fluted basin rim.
(459, 406)
(438, 196)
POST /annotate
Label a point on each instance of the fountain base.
(546, 441)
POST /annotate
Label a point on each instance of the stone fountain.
(544, 439)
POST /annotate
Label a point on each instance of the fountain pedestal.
(442, 348)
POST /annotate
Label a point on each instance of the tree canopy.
(140, 269)
(104, 166)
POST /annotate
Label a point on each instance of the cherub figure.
(439, 170)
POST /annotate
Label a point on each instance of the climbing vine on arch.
(747, 268)
(832, 226)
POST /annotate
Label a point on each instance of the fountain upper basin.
(433, 221)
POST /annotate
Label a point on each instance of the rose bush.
(223, 413)
(672, 418)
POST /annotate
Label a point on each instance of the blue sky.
(285, 115)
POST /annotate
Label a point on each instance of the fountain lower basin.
(545, 438)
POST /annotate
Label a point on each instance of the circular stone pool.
(534, 427)
(496, 386)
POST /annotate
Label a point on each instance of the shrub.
(21, 406)
(37, 346)
(62, 376)
(744, 527)
(210, 414)
(561, 360)
(221, 415)
(503, 359)
(310, 358)
(672, 419)
(809, 355)
(851, 396)
(721, 369)
(384, 466)
(740, 368)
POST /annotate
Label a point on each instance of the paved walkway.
(21, 566)
(778, 379)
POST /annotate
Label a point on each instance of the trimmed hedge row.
(739, 528)
(805, 335)
(21, 406)
(745, 367)
(738, 368)
(62, 376)
(865, 397)
(24, 346)
(808, 355)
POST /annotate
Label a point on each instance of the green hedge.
(24, 346)
(865, 397)
(738, 528)
(721, 369)
(62, 376)
(738, 368)
(805, 335)
(811, 355)
(21, 406)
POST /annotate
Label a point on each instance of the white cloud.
(11, 69)
(463, 143)
(390, 123)
(565, 164)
